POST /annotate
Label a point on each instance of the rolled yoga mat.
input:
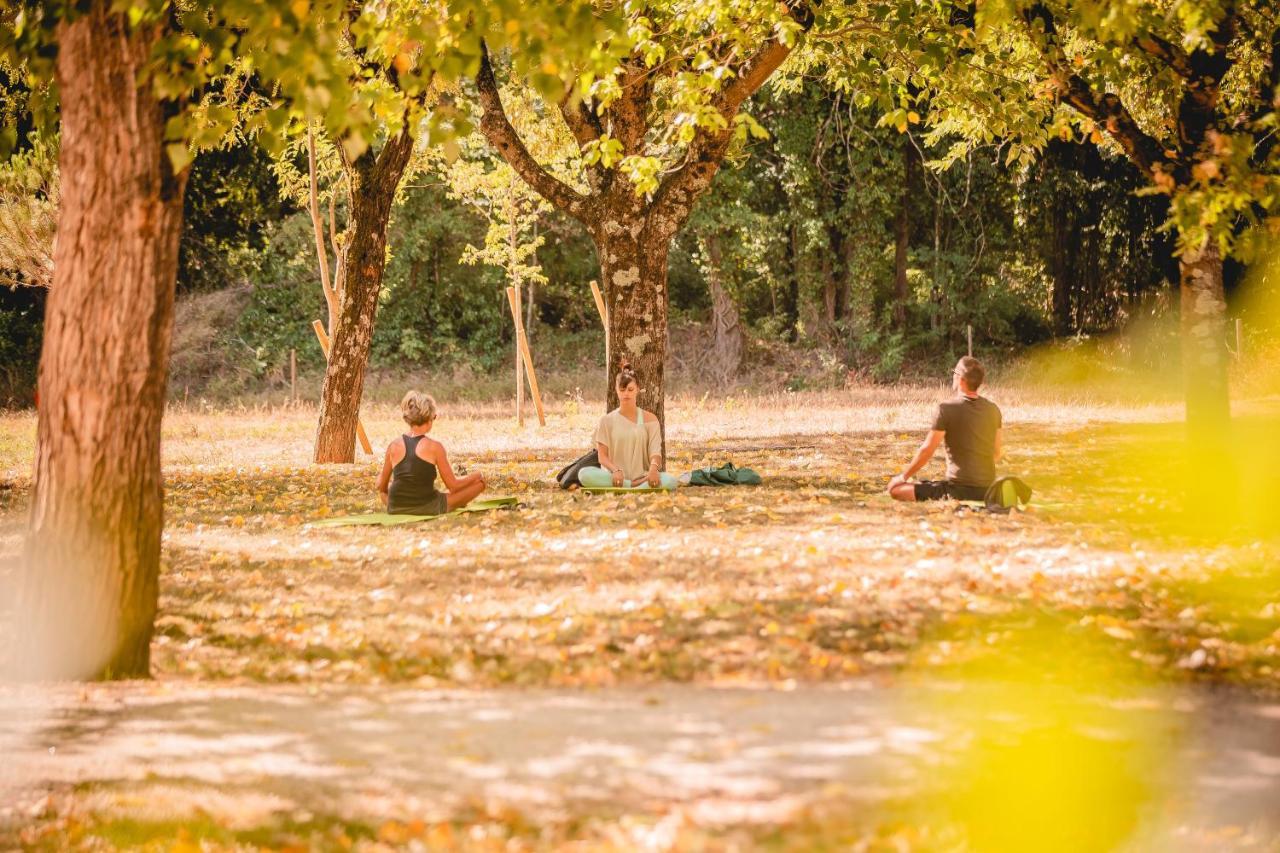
(387, 520)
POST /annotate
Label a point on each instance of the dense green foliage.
(1034, 226)
(806, 226)
(809, 215)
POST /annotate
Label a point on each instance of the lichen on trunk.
(634, 268)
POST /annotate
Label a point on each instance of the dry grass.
(206, 436)
(815, 576)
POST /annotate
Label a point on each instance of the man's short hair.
(972, 372)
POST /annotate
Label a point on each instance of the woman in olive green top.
(629, 442)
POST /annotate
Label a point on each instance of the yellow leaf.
(1118, 632)
(1206, 171)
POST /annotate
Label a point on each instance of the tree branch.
(313, 207)
(497, 129)
(584, 123)
(629, 114)
(1170, 54)
(674, 198)
(1143, 149)
(756, 70)
(582, 120)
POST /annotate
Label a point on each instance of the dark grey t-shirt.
(970, 424)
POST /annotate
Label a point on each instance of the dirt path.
(245, 756)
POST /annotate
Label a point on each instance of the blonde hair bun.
(418, 408)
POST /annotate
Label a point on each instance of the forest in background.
(833, 248)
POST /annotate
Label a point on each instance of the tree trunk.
(87, 597)
(726, 347)
(791, 296)
(1204, 356)
(373, 181)
(938, 295)
(1064, 245)
(902, 234)
(835, 275)
(634, 270)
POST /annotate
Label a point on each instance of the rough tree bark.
(1203, 310)
(632, 234)
(372, 179)
(87, 596)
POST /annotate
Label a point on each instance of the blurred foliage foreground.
(1137, 573)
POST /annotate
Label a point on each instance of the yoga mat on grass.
(609, 490)
(387, 520)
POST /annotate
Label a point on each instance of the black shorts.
(436, 505)
(936, 490)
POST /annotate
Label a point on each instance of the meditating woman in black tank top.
(407, 484)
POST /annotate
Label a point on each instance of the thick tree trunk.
(373, 181)
(635, 275)
(87, 597)
(1204, 356)
(726, 343)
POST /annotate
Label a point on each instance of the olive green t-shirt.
(970, 424)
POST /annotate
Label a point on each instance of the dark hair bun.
(625, 374)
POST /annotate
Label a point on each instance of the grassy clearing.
(815, 576)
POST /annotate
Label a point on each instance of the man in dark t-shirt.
(972, 429)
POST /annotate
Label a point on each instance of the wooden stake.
(519, 364)
(604, 318)
(293, 376)
(528, 358)
(1239, 339)
(969, 332)
(324, 347)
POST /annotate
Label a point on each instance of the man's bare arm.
(924, 453)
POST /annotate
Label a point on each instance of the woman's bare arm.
(384, 477)
(606, 461)
(451, 482)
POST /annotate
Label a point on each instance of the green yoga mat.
(387, 520)
(609, 490)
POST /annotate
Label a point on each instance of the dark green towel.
(725, 475)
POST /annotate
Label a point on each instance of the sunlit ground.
(1051, 664)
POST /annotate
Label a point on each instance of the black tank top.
(413, 482)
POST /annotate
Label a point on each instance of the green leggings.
(599, 478)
